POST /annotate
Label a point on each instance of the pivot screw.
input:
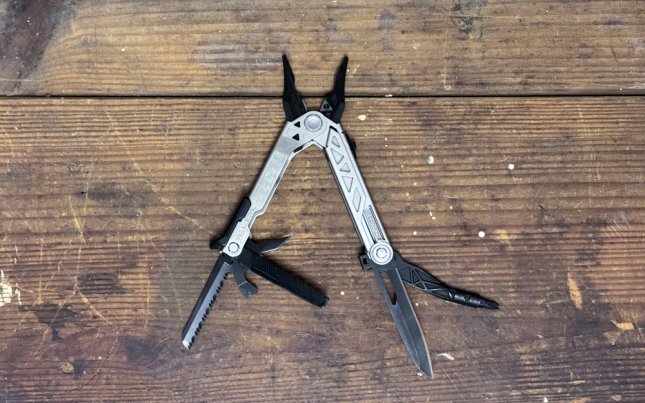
(381, 253)
(313, 123)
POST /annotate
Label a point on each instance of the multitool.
(240, 253)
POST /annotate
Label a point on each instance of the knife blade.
(405, 319)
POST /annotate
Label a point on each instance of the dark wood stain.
(80, 367)
(551, 221)
(588, 256)
(25, 32)
(52, 315)
(101, 283)
(465, 17)
(122, 200)
(153, 356)
(139, 351)
(386, 20)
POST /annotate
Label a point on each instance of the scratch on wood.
(148, 299)
(574, 291)
(623, 325)
(77, 223)
(444, 70)
(174, 209)
(6, 292)
(617, 226)
(153, 187)
(149, 238)
(234, 374)
(10, 142)
(87, 302)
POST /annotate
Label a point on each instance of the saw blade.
(206, 299)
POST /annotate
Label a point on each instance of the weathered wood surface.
(107, 207)
(482, 47)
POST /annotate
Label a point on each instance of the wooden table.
(503, 143)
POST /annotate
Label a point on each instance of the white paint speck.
(419, 373)
(416, 304)
(430, 159)
(447, 355)
(539, 336)
(362, 117)
(342, 293)
(388, 95)
(545, 400)
(511, 167)
(122, 49)
(414, 232)
(481, 234)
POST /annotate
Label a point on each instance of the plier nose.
(333, 104)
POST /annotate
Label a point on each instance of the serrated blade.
(405, 319)
(206, 298)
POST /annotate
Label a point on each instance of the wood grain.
(127, 47)
(107, 207)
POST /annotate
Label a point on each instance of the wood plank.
(107, 207)
(128, 47)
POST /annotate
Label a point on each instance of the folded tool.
(239, 253)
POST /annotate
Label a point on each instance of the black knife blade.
(405, 319)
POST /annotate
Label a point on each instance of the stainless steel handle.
(295, 137)
(356, 196)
